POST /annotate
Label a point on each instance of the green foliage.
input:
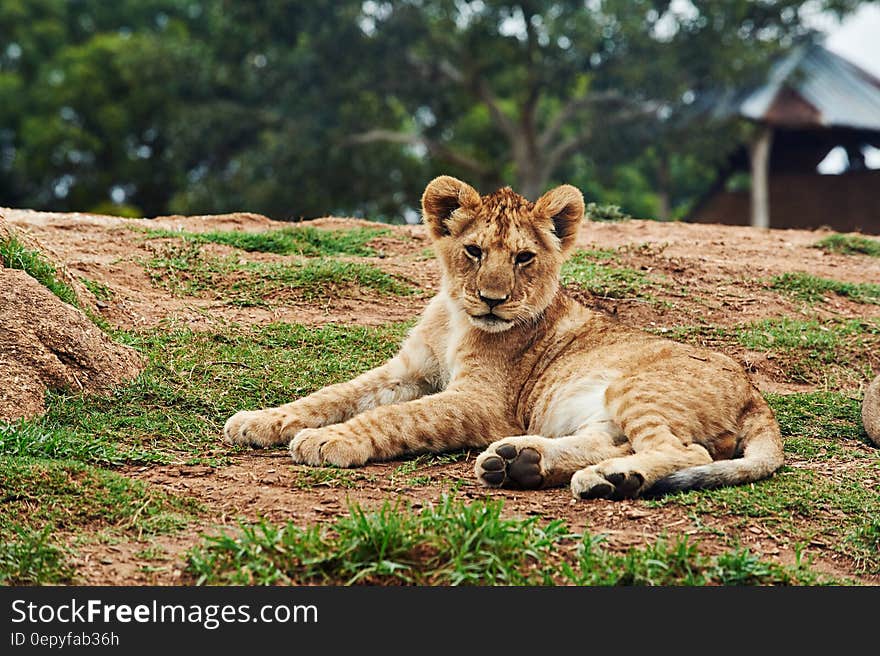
(812, 289)
(150, 107)
(301, 240)
(831, 353)
(452, 543)
(786, 333)
(805, 505)
(192, 383)
(15, 255)
(849, 245)
(596, 212)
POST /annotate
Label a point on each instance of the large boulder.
(871, 411)
(48, 344)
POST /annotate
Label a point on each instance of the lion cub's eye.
(524, 257)
(473, 251)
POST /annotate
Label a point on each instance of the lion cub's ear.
(442, 197)
(564, 207)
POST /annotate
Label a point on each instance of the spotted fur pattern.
(503, 360)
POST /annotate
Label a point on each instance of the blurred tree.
(516, 92)
(298, 108)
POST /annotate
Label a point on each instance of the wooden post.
(760, 156)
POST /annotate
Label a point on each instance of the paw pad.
(518, 468)
(616, 486)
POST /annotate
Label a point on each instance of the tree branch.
(571, 108)
(435, 148)
(569, 146)
(476, 84)
(484, 93)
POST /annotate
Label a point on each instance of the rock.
(48, 344)
(871, 411)
(86, 299)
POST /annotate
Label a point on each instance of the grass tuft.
(300, 240)
(73, 495)
(16, 255)
(849, 245)
(450, 543)
(453, 543)
(595, 272)
(44, 497)
(28, 557)
(831, 353)
(812, 289)
(185, 271)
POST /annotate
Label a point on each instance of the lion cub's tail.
(761, 449)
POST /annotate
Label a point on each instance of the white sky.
(857, 38)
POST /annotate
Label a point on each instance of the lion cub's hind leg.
(656, 456)
(532, 461)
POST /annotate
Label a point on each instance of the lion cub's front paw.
(329, 446)
(512, 462)
(597, 483)
(259, 427)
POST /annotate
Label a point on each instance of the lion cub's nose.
(492, 302)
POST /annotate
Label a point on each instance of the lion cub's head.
(501, 254)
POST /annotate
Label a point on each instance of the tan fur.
(871, 411)
(555, 393)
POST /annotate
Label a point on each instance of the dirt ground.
(715, 276)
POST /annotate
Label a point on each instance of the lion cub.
(504, 359)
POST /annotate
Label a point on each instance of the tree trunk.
(531, 183)
(664, 210)
(760, 156)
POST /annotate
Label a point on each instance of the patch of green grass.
(678, 563)
(192, 383)
(830, 353)
(594, 272)
(42, 497)
(405, 474)
(786, 333)
(185, 271)
(453, 543)
(849, 245)
(812, 289)
(450, 543)
(69, 495)
(803, 505)
(824, 420)
(55, 439)
(28, 557)
(298, 240)
(99, 290)
(812, 351)
(153, 552)
(16, 255)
